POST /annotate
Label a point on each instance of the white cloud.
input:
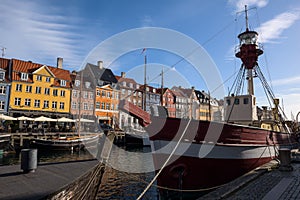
(147, 21)
(273, 29)
(28, 34)
(287, 81)
(240, 4)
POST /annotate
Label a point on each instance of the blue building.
(4, 85)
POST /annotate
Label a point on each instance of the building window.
(246, 100)
(112, 106)
(87, 84)
(91, 106)
(85, 94)
(107, 106)
(28, 88)
(37, 103)
(55, 92)
(103, 93)
(62, 93)
(63, 83)
(2, 105)
(2, 75)
(27, 102)
(19, 87)
(91, 95)
(24, 76)
(2, 89)
(98, 93)
(108, 94)
(73, 105)
(38, 90)
(17, 101)
(85, 106)
(123, 91)
(39, 78)
(112, 95)
(48, 79)
(47, 91)
(62, 105)
(54, 104)
(46, 104)
(103, 105)
(97, 105)
(74, 92)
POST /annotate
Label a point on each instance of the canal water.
(128, 171)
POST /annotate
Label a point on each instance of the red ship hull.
(209, 154)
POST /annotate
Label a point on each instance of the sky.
(116, 32)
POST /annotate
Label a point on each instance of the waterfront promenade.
(47, 179)
(266, 182)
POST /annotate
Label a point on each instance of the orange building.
(107, 101)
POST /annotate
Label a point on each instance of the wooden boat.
(67, 142)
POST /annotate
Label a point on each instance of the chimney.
(100, 64)
(59, 63)
(123, 74)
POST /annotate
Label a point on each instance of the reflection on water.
(118, 184)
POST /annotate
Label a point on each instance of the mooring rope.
(164, 165)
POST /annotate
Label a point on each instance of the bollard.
(28, 160)
(285, 159)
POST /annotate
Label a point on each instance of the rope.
(166, 162)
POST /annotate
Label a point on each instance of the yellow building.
(38, 89)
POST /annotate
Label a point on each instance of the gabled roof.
(44, 67)
(103, 74)
(127, 80)
(19, 66)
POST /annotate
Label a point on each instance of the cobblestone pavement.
(268, 183)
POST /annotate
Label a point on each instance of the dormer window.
(77, 83)
(2, 75)
(63, 83)
(24, 76)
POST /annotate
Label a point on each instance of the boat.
(67, 142)
(136, 138)
(197, 155)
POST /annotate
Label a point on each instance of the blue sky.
(41, 31)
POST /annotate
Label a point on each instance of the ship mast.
(249, 51)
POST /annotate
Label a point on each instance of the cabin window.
(246, 100)
(2, 75)
(236, 101)
(228, 102)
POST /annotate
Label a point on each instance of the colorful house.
(37, 89)
(4, 85)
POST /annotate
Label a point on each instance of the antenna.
(3, 51)
(246, 17)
